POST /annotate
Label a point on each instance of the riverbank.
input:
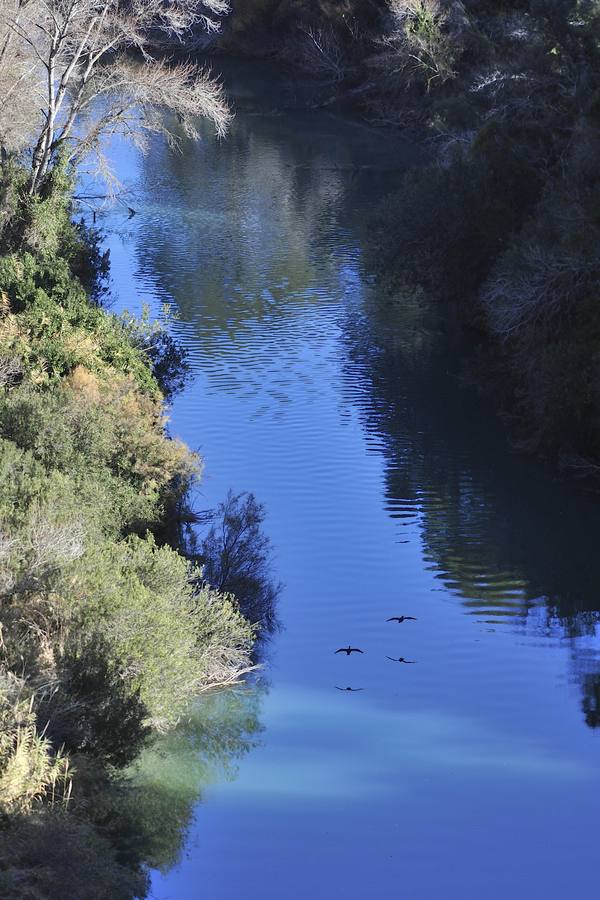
(501, 225)
(108, 633)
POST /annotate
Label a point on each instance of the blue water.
(389, 489)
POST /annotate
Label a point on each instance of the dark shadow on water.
(236, 557)
(119, 828)
(168, 780)
(504, 535)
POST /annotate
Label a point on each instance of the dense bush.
(444, 229)
(51, 326)
(503, 221)
(106, 635)
(323, 38)
(540, 300)
(30, 770)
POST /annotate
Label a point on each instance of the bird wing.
(414, 618)
(341, 650)
(393, 619)
(391, 658)
(356, 650)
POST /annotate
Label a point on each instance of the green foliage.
(112, 633)
(52, 327)
(13, 181)
(22, 481)
(421, 41)
(96, 710)
(41, 224)
(82, 428)
(109, 505)
(168, 641)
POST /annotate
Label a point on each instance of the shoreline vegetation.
(501, 225)
(116, 614)
(108, 633)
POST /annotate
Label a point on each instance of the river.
(389, 488)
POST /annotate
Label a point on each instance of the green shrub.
(110, 630)
(168, 640)
(95, 709)
(82, 428)
(422, 45)
(53, 327)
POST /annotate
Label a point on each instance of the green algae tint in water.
(474, 772)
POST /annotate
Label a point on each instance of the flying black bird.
(402, 660)
(401, 619)
(348, 689)
(348, 650)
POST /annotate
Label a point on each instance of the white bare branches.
(321, 52)
(127, 97)
(68, 53)
(11, 370)
(548, 283)
(418, 44)
(30, 558)
(21, 76)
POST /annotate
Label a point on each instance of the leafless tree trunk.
(76, 56)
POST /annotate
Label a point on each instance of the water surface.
(389, 490)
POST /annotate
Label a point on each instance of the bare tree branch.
(73, 52)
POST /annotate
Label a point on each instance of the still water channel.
(389, 490)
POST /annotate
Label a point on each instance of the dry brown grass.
(30, 771)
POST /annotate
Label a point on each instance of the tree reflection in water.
(170, 776)
(120, 827)
(504, 535)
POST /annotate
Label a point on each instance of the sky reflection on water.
(389, 490)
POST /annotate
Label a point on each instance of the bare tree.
(88, 62)
(19, 81)
(320, 52)
(418, 44)
(11, 369)
(539, 287)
